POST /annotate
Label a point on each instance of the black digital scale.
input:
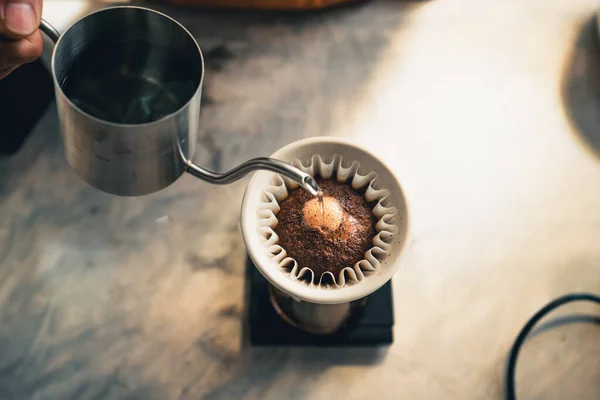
(370, 325)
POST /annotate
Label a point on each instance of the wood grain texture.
(472, 103)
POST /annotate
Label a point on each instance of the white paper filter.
(345, 171)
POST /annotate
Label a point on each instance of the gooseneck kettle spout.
(262, 163)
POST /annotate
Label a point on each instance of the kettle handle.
(49, 30)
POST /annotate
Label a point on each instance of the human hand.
(20, 38)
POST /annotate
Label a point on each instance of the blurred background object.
(24, 96)
(261, 4)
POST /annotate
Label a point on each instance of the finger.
(19, 18)
(6, 71)
(15, 53)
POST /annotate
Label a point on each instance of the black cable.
(516, 347)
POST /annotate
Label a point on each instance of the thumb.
(19, 18)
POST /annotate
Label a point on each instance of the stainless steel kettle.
(132, 159)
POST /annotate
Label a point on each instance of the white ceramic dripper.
(318, 309)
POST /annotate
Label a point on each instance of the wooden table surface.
(486, 110)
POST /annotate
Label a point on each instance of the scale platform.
(370, 326)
